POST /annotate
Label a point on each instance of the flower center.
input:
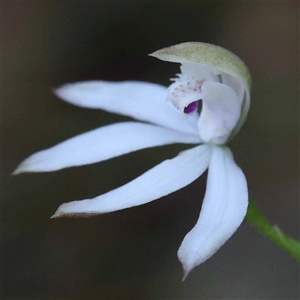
(221, 104)
(185, 93)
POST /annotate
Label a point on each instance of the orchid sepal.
(219, 59)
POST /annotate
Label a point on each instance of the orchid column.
(209, 74)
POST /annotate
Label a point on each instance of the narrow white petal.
(139, 100)
(223, 210)
(167, 177)
(221, 110)
(102, 144)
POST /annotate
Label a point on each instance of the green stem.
(256, 218)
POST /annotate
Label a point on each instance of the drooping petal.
(140, 100)
(102, 144)
(165, 178)
(221, 110)
(223, 210)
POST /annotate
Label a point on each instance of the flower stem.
(256, 218)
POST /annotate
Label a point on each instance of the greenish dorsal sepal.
(217, 58)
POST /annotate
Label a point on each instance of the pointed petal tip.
(185, 275)
(58, 92)
(157, 55)
(17, 171)
(65, 91)
(55, 216)
(53, 90)
(59, 214)
(21, 168)
(152, 54)
(26, 168)
(186, 268)
(66, 210)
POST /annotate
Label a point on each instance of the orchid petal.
(223, 210)
(221, 110)
(140, 100)
(165, 178)
(102, 144)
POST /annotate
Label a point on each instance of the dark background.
(131, 254)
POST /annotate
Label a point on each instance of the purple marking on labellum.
(191, 107)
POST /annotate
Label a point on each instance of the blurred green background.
(131, 254)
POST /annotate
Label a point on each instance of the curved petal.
(167, 177)
(221, 110)
(140, 100)
(234, 84)
(223, 210)
(102, 144)
(242, 94)
(244, 114)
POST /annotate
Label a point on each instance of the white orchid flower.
(208, 73)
